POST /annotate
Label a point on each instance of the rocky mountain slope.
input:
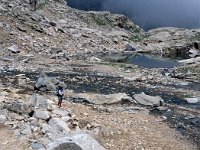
(107, 105)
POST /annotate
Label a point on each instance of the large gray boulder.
(75, 142)
(45, 83)
(147, 100)
(14, 106)
(61, 113)
(193, 100)
(26, 130)
(59, 124)
(37, 100)
(102, 99)
(41, 114)
(52, 132)
(14, 49)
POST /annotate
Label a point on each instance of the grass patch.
(194, 70)
(138, 37)
(100, 22)
(196, 37)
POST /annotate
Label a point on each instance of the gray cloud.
(151, 13)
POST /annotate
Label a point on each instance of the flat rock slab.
(38, 101)
(75, 142)
(59, 124)
(193, 100)
(147, 100)
(60, 112)
(103, 99)
(41, 114)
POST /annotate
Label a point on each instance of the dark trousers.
(60, 98)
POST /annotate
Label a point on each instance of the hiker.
(33, 4)
(60, 94)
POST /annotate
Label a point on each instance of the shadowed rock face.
(68, 146)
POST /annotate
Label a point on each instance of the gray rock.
(102, 99)
(26, 130)
(147, 100)
(37, 100)
(1, 24)
(95, 59)
(37, 146)
(45, 83)
(68, 145)
(14, 106)
(9, 59)
(59, 124)
(190, 61)
(75, 142)
(51, 132)
(130, 47)
(40, 114)
(193, 53)
(60, 112)
(14, 49)
(45, 128)
(66, 118)
(2, 118)
(193, 100)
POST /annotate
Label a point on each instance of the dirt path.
(9, 142)
(125, 131)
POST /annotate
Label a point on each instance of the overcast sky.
(151, 13)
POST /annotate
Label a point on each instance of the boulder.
(75, 142)
(192, 100)
(102, 99)
(14, 106)
(95, 59)
(37, 146)
(45, 83)
(2, 118)
(130, 47)
(1, 25)
(26, 130)
(49, 130)
(147, 100)
(40, 114)
(59, 124)
(190, 61)
(14, 49)
(37, 100)
(193, 53)
(60, 112)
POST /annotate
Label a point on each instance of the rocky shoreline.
(109, 104)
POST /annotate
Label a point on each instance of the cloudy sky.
(150, 13)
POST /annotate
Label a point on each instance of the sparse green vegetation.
(194, 70)
(100, 22)
(196, 37)
(138, 37)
